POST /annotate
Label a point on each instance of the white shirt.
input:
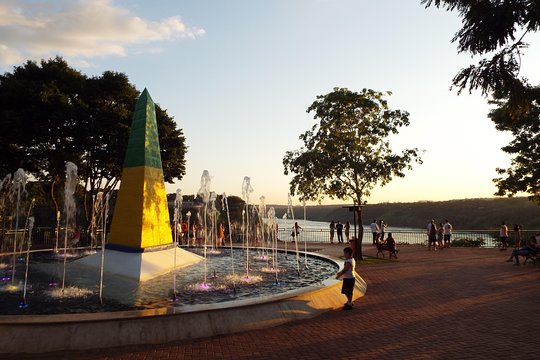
(374, 227)
(349, 273)
(447, 228)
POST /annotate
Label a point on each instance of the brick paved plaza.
(459, 303)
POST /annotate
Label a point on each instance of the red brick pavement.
(453, 304)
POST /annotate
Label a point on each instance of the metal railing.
(485, 238)
(45, 238)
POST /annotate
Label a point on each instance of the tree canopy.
(496, 31)
(51, 113)
(348, 152)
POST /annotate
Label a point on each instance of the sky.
(238, 76)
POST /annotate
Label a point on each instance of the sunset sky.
(238, 76)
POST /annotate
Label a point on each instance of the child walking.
(348, 277)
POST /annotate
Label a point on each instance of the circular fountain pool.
(201, 283)
(154, 319)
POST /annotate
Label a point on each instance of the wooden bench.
(381, 248)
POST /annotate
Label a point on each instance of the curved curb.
(101, 330)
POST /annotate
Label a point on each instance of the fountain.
(141, 261)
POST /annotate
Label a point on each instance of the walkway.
(458, 303)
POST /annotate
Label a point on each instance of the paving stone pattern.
(459, 303)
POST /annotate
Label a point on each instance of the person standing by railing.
(339, 230)
(517, 235)
(447, 233)
(332, 229)
(440, 236)
(295, 231)
(382, 228)
(503, 234)
(347, 231)
(374, 231)
(432, 235)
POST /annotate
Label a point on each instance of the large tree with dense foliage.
(496, 31)
(347, 152)
(51, 113)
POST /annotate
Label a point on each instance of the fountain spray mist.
(29, 245)
(304, 236)
(177, 219)
(262, 222)
(246, 190)
(104, 217)
(96, 219)
(290, 208)
(69, 209)
(273, 237)
(225, 205)
(204, 192)
(18, 187)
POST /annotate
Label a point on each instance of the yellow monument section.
(140, 244)
(141, 214)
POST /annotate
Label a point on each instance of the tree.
(40, 106)
(523, 175)
(347, 152)
(51, 113)
(496, 31)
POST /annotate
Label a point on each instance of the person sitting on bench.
(527, 251)
(391, 246)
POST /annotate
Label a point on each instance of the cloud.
(79, 29)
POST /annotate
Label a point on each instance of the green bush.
(466, 242)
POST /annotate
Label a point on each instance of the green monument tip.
(143, 144)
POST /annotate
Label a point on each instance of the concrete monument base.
(140, 266)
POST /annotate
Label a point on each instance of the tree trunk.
(358, 255)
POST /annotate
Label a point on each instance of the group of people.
(339, 228)
(195, 234)
(439, 236)
(378, 229)
(503, 235)
(530, 250)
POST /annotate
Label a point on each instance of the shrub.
(466, 242)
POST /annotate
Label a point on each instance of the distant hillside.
(469, 214)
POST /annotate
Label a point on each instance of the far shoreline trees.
(347, 153)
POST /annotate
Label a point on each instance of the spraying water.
(246, 191)
(213, 220)
(295, 233)
(204, 192)
(18, 187)
(4, 194)
(225, 205)
(104, 217)
(69, 209)
(286, 227)
(177, 219)
(30, 228)
(262, 215)
(273, 236)
(304, 235)
(96, 219)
